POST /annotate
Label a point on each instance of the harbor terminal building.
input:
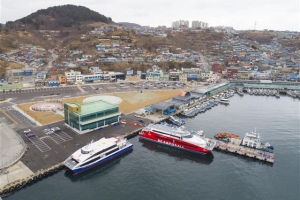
(86, 117)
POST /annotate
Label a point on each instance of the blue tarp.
(149, 109)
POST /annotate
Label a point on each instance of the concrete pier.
(234, 147)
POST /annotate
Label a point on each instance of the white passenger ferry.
(97, 153)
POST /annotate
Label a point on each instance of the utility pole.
(254, 25)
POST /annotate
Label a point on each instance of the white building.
(180, 24)
(196, 24)
(73, 76)
(199, 24)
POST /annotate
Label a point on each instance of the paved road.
(205, 63)
(38, 94)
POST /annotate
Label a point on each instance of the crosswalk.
(79, 87)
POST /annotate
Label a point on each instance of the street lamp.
(6, 172)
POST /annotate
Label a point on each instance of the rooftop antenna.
(254, 25)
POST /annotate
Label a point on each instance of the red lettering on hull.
(173, 142)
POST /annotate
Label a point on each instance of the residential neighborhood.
(233, 57)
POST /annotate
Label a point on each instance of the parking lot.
(60, 137)
(45, 89)
(31, 94)
(47, 150)
(37, 138)
(131, 86)
(40, 144)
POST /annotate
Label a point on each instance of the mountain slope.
(128, 24)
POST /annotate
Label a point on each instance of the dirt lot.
(132, 78)
(131, 101)
(41, 116)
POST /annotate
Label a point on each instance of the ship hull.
(174, 143)
(103, 160)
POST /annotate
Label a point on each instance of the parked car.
(54, 129)
(28, 131)
(30, 135)
(49, 132)
(46, 130)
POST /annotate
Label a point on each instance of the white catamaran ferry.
(97, 153)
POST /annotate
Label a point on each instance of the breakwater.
(16, 185)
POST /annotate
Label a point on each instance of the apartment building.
(199, 24)
(180, 24)
(73, 76)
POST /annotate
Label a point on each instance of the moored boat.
(224, 101)
(176, 120)
(225, 136)
(177, 138)
(252, 140)
(240, 91)
(97, 153)
(191, 112)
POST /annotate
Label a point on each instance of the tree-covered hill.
(62, 16)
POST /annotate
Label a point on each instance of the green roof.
(92, 107)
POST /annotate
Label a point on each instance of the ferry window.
(111, 147)
(89, 162)
(112, 151)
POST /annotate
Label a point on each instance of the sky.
(241, 15)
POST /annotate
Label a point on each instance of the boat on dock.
(97, 153)
(225, 136)
(178, 138)
(250, 91)
(191, 112)
(240, 91)
(177, 120)
(223, 101)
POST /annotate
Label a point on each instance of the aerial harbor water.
(152, 171)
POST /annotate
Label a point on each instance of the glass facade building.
(90, 116)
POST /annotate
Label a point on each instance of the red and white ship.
(178, 138)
